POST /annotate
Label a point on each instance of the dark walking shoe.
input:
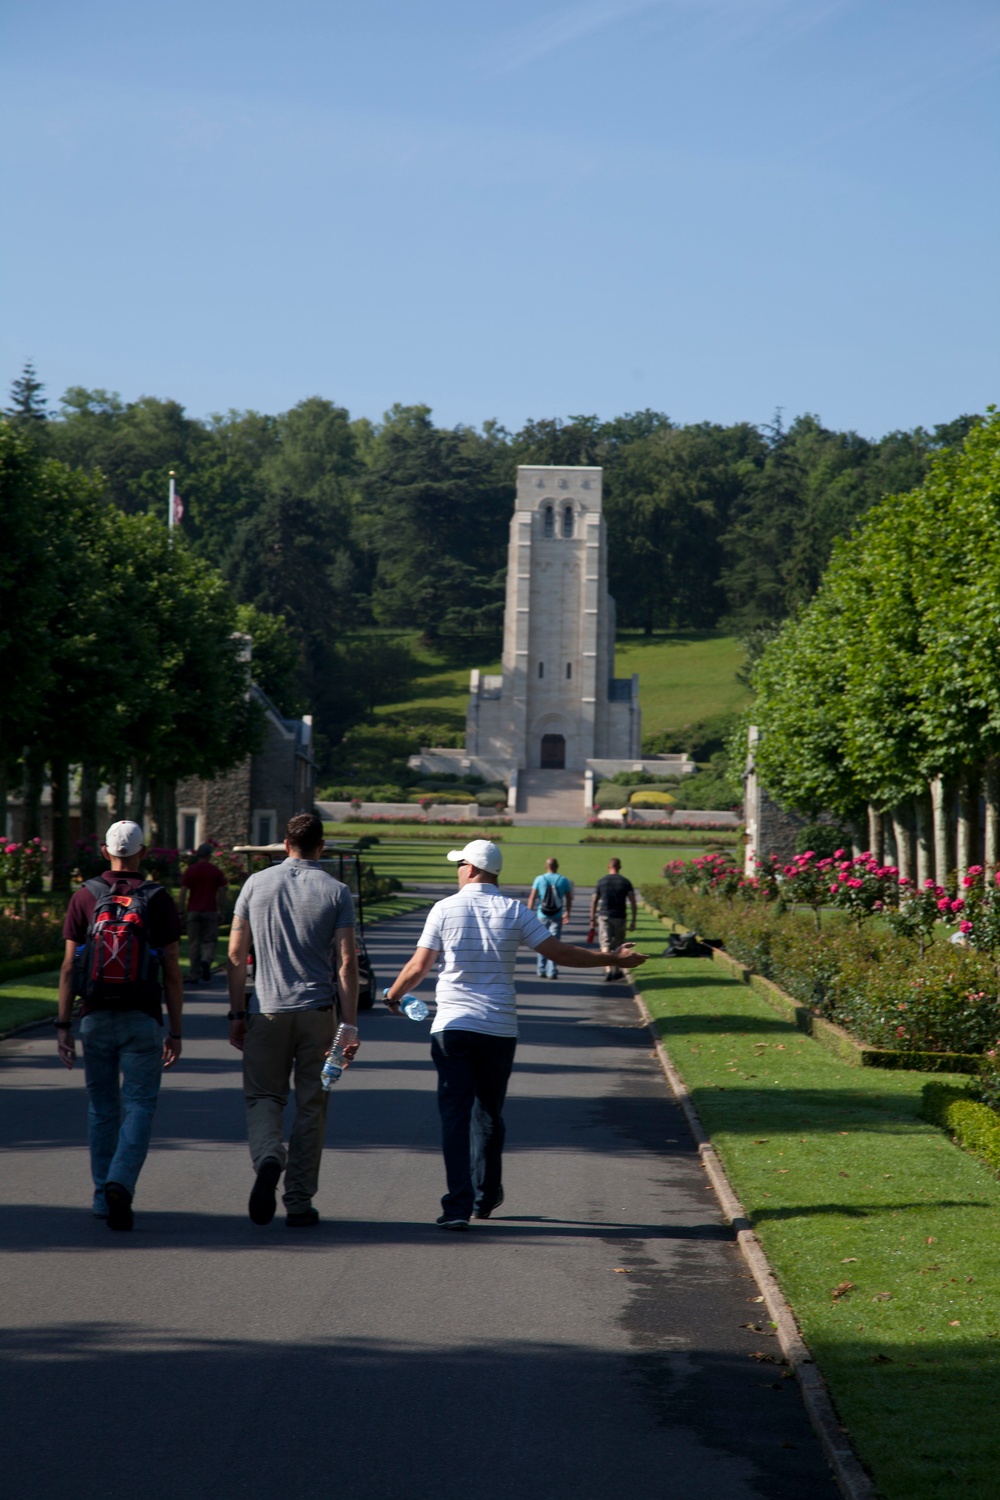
(262, 1196)
(119, 1201)
(447, 1223)
(485, 1209)
(206, 973)
(304, 1220)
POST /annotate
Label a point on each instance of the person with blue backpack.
(553, 894)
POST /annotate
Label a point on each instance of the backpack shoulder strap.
(98, 887)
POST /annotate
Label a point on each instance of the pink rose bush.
(879, 974)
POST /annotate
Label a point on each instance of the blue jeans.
(473, 1070)
(547, 966)
(123, 1058)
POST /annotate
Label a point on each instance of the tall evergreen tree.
(27, 403)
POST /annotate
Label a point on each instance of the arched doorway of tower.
(553, 752)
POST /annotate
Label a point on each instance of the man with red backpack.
(122, 933)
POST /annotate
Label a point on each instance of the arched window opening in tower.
(568, 521)
(550, 521)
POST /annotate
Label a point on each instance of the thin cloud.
(729, 24)
(553, 33)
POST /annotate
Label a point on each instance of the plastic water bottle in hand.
(335, 1060)
(414, 1008)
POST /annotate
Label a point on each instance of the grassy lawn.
(845, 1183)
(30, 999)
(524, 854)
(439, 692)
(684, 676)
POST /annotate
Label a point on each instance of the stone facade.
(252, 803)
(556, 705)
(770, 829)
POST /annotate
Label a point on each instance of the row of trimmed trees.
(124, 656)
(880, 701)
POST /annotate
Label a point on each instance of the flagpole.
(170, 510)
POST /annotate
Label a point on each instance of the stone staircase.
(552, 797)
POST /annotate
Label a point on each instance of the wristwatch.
(236, 1015)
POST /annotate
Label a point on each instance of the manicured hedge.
(873, 984)
(39, 963)
(974, 1126)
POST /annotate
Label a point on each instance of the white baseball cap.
(124, 838)
(482, 853)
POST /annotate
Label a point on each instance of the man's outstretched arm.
(572, 957)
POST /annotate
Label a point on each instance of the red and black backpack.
(116, 967)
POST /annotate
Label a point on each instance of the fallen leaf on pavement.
(623, 1270)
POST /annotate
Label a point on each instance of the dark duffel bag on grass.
(687, 945)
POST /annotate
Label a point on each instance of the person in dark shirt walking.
(200, 887)
(608, 910)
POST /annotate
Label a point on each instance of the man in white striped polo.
(477, 933)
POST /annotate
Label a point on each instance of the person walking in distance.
(300, 921)
(121, 932)
(553, 894)
(476, 934)
(200, 886)
(607, 910)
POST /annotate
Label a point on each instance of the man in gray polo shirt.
(299, 921)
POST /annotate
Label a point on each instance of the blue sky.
(709, 207)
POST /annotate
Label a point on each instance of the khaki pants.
(202, 936)
(274, 1045)
(611, 935)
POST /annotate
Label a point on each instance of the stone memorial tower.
(557, 705)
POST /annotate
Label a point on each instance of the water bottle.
(332, 1069)
(335, 1063)
(414, 1009)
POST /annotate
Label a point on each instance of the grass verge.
(29, 999)
(881, 1233)
(524, 854)
(393, 906)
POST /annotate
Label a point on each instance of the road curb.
(854, 1481)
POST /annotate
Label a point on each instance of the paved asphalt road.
(588, 1342)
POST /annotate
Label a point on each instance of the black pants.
(473, 1070)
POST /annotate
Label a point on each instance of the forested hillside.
(337, 523)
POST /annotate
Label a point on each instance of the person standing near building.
(127, 930)
(300, 921)
(200, 887)
(608, 910)
(476, 933)
(553, 894)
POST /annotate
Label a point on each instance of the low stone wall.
(651, 817)
(449, 812)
